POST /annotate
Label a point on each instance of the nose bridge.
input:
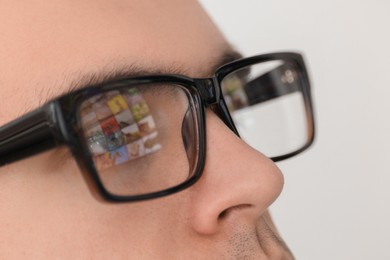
(209, 89)
(237, 181)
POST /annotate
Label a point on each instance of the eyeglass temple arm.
(28, 135)
(275, 83)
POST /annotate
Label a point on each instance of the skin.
(46, 209)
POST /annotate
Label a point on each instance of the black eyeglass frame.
(56, 124)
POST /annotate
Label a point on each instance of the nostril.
(224, 214)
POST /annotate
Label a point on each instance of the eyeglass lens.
(142, 138)
(268, 107)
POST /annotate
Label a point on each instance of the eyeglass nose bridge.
(209, 90)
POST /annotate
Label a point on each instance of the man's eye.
(97, 143)
(118, 124)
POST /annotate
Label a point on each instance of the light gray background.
(336, 201)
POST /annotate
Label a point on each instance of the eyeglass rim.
(54, 121)
(190, 84)
(298, 60)
(84, 159)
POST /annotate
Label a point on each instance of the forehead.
(46, 44)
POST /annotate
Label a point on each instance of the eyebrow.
(134, 70)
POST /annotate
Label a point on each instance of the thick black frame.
(56, 123)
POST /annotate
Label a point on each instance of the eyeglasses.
(144, 137)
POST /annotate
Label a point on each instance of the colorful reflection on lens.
(118, 127)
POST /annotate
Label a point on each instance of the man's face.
(46, 208)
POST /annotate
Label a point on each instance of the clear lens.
(136, 139)
(268, 107)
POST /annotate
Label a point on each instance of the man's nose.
(237, 181)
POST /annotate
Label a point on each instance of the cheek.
(47, 211)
